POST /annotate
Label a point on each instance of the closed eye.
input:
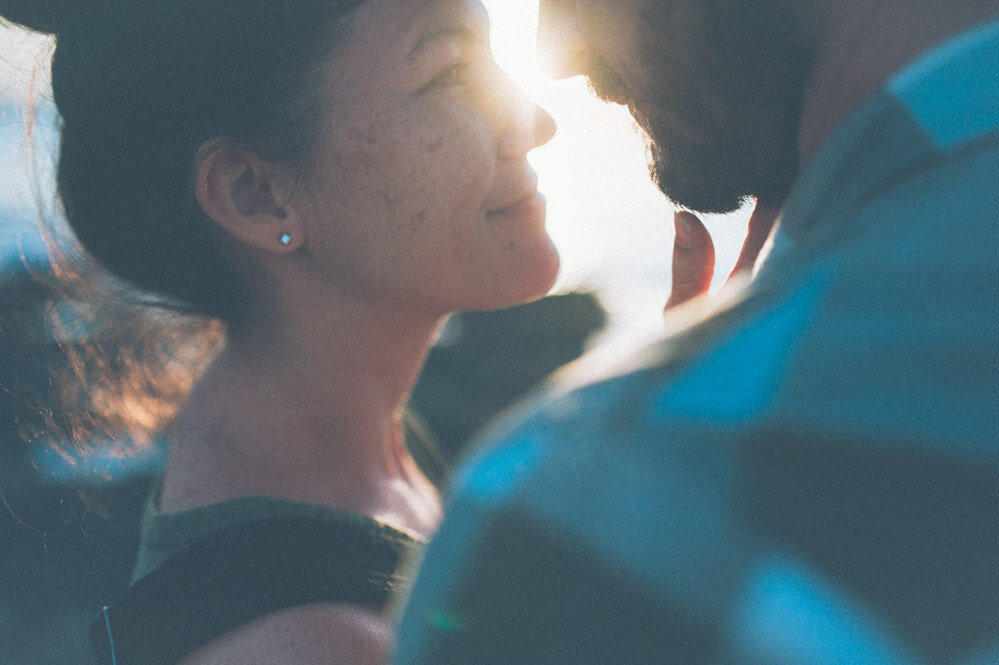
(455, 75)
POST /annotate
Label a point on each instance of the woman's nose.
(545, 126)
(561, 47)
(528, 127)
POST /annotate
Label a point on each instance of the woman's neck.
(306, 406)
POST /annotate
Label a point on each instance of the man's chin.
(688, 188)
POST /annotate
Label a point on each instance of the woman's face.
(419, 193)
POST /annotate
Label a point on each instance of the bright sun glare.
(612, 226)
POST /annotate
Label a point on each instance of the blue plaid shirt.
(808, 475)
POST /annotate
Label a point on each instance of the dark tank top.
(203, 572)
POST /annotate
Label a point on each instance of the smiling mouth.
(530, 209)
(526, 199)
(529, 191)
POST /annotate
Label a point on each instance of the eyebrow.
(462, 32)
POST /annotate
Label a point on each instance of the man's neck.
(861, 43)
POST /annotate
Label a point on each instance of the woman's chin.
(532, 281)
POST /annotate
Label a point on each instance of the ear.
(246, 197)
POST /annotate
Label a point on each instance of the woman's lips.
(530, 208)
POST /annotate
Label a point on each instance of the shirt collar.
(942, 101)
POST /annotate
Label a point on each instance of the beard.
(726, 162)
(720, 108)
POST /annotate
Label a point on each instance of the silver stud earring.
(285, 239)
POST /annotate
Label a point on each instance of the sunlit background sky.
(612, 226)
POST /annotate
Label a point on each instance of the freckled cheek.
(431, 175)
(471, 167)
(452, 170)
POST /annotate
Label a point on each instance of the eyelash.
(452, 76)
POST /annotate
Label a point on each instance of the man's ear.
(246, 197)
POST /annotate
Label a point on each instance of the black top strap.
(241, 573)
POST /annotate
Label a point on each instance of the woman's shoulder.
(317, 634)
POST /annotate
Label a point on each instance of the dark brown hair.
(140, 86)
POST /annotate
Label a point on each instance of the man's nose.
(561, 47)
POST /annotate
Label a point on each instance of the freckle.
(435, 146)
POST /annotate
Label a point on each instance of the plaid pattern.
(808, 475)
